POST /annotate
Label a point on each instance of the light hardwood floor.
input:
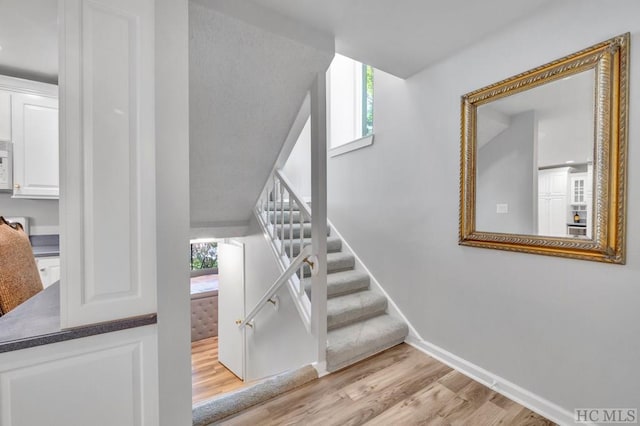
(208, 377)
(401, 386)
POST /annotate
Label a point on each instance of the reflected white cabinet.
(578, 188)
(552, 202)
(49, 269)
(35, 146)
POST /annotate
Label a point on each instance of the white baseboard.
(510, 390)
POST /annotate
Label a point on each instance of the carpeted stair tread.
(278, 217)
(350, 344)
(334, 244)
(342, 282)
(295, 230)
(335, 262)
(285, 206)
(214, 410)
(347, 309)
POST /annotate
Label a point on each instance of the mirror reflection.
(535, 151)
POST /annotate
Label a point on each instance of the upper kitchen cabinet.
(29, 119)
(5, 116)
(35, 147)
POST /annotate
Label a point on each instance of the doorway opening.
(217, 299)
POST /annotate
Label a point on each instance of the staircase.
(358, 325)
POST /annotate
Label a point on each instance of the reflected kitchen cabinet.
(552, 202)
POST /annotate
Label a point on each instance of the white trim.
(496, 383)
(510, 390)
(321, 368)
(31, 87)
(351, 146)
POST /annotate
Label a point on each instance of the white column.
(319, 212)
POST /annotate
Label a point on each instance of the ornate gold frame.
(610, 59)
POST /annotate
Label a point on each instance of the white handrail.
(284, 277)
(302, 206)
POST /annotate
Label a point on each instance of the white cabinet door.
(579, 188)
(552, 202)
(49, 269)
(108, 208)
(5, 116)
(231, 304)
(35, 146)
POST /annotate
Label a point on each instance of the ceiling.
(29, 39)
(390, 35)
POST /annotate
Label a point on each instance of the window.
(350, 101)
(204, 258)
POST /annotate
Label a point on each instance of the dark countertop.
(45, 245)
(37, 322)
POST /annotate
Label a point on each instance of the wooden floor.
(401, 386)
(208, 377)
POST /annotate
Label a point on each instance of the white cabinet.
(5, 116)
(552, 202)
(578, 188)
(29, 120)
(49, 269)
(35, 146)
(581, 200)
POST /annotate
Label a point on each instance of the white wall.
(565, 138)
(279, 340)
(298, 166)
(43, 214)
(506, 171)
(566, 330)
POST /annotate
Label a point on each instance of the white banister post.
(319, 213)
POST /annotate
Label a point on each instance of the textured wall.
(246, 86)
(564, 329)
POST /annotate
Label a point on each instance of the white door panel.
(108, 208)
(231, 307)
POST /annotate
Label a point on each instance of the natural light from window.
(350, 101)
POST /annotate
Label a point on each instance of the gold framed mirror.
(543, 158)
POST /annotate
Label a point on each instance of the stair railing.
(282, 279)
(279, 208)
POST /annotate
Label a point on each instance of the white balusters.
(291, 228)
